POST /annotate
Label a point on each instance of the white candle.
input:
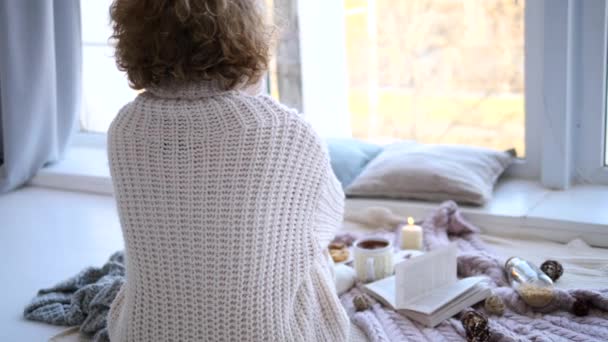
(411, 235)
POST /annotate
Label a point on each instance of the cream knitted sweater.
(227, 202)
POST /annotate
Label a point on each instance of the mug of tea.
(373, 258)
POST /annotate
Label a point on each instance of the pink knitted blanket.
(519, 322)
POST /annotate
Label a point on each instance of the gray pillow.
(432, 172)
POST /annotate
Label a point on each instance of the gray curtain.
(40, 84)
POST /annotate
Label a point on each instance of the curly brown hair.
(169, 41)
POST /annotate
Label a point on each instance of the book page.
(383, 290)
(417, 277)
(444, 297)
(470, 297)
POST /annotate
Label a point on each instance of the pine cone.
(361, 304)
(494, 305)
(476, 326)
(553, 269)
(580, 307)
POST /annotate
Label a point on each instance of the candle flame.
(410, 220)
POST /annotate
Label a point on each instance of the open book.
(426, 288)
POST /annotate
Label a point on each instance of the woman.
(227, 201)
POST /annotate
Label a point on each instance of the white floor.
(45, 237)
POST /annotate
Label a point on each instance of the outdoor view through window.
(105, 89)
(437, 71)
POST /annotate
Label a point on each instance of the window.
(437, 71)
(502, 74)
(105, 88)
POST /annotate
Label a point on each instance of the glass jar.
(532, 284)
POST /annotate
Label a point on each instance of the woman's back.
(226, 203)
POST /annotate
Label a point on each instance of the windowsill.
(519, 207)
(82, 169)
(523, 208)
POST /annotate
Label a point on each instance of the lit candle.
(411, 235)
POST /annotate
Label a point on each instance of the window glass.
(105, 88)
(437, 71)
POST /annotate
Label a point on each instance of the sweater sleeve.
(330, 210)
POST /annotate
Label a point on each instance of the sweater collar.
(188, 90)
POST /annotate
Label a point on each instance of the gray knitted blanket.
(519, 322)
(82, 300)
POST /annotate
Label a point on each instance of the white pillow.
(432, 172)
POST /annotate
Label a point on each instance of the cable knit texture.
(519, 322)
(227, 202)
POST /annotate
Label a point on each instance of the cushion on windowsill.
(410, 170)
(349, 157)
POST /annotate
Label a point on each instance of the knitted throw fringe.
(519, 322)
(82, 300)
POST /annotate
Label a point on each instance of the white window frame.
(533, 25)
(590, 165)
(565, 81)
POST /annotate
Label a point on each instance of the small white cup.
(373, 258)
